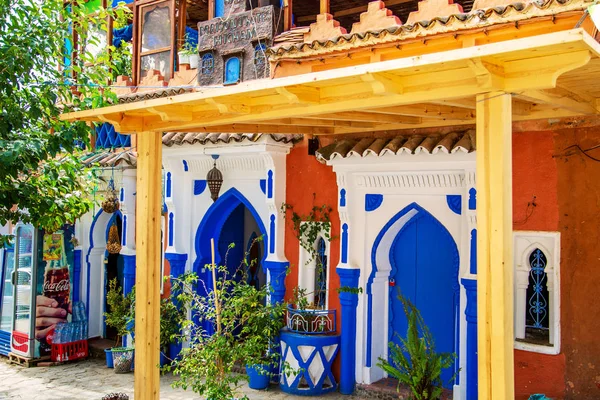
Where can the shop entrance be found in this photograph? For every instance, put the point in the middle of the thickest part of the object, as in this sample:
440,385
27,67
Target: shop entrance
113,268
240,242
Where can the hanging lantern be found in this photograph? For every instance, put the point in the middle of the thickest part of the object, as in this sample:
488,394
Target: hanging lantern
111,202
113,245
214,179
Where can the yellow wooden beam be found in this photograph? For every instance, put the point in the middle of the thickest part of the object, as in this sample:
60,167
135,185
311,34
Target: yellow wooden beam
561,98
173,113
361,116
434,111
494,247
148,277
443,76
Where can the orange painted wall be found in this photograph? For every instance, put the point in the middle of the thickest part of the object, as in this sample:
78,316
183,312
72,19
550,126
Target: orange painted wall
535,174
567,189
310,183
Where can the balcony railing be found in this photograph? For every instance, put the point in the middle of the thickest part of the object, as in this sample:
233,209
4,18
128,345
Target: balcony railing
311,322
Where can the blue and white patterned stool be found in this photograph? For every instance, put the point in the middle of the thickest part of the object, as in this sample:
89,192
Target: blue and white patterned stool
310,358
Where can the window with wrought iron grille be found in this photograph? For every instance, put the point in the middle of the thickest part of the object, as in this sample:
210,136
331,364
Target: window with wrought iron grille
537,291
208,64
313,273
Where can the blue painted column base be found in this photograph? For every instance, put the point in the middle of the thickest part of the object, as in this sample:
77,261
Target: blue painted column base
76,275
128,273
177,263
471,316
349,302
277,272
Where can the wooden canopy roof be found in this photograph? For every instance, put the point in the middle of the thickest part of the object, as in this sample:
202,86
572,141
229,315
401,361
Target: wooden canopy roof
550,75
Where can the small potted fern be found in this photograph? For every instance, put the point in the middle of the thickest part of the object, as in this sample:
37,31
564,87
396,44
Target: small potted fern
118,316
414,362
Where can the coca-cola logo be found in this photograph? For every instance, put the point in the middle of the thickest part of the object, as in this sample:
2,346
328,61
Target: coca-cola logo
57,286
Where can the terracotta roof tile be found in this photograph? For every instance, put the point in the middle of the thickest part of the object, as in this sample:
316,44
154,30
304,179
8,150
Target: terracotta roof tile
476,18
181,138
108,158
450,143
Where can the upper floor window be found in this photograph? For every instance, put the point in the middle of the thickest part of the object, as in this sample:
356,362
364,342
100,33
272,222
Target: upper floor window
208,64
260,58
156,34
232,71
537,292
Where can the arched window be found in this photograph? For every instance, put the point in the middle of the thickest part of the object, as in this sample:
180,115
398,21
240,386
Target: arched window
321,274
536,323
537,291
208,64
260,58
313,273
232,71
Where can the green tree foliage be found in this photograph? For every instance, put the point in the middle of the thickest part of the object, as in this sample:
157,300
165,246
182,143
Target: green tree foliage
43,182
120,309
415,363
243,327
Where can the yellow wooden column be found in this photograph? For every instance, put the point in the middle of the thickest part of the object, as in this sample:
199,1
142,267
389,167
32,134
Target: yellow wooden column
494,247
324,7
147,276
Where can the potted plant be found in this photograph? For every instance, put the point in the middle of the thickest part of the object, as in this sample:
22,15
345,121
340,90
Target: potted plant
172,317
118,315
231,324
188,54
415,363
261,322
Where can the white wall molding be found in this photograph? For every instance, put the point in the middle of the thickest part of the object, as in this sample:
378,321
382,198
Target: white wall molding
525,242
402,179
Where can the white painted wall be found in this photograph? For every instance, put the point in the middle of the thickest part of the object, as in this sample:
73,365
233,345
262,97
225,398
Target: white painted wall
402,179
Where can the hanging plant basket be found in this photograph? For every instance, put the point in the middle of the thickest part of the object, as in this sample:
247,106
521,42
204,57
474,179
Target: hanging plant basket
114,241
111,202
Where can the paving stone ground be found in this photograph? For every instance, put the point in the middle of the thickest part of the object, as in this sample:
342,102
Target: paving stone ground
91,379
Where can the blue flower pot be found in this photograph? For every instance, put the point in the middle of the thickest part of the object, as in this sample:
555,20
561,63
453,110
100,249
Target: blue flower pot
164,360
259,376
109,358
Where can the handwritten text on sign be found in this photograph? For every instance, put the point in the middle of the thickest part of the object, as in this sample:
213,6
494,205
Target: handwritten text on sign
237,28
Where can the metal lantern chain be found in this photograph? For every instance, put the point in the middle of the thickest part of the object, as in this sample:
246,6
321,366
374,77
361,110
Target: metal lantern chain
214,179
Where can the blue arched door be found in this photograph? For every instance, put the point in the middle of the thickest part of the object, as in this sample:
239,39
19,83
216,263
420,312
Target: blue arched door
424,260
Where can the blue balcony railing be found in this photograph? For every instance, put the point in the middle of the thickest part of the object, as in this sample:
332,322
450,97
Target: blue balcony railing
311,322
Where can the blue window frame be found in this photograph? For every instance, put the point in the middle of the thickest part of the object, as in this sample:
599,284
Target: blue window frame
260,58
208,64
321,274
232,71
108,138
537,316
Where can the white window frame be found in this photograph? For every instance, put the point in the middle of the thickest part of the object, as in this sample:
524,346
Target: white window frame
307,268
525,242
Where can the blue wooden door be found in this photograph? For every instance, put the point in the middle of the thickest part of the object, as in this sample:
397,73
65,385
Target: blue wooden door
424,261
233,233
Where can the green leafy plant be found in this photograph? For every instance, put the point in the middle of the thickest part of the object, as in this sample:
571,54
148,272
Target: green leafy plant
307,229
415,363
173,317
120,309
187,48
44,181
242,326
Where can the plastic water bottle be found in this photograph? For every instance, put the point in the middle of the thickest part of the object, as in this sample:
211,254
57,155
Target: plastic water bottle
58,333
85,330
